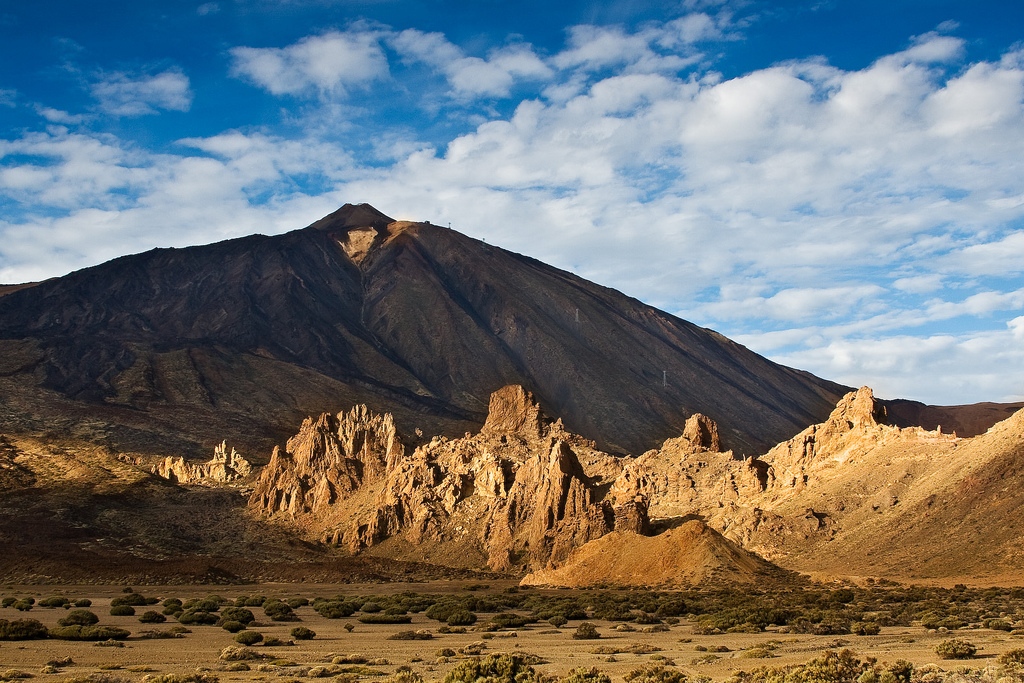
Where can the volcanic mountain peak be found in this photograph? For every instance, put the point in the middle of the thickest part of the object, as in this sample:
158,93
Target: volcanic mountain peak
353,216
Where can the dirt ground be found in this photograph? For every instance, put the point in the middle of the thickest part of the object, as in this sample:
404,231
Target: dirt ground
200,650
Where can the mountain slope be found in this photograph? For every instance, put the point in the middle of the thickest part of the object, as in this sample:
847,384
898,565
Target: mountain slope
174,350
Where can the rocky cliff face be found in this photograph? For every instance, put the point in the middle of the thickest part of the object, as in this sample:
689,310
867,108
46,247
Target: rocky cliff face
223,468
522,493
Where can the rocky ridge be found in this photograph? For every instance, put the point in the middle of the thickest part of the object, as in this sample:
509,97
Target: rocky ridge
223,468
520,494
525,494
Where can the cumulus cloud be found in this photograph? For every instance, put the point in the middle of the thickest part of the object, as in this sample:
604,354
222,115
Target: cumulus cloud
125,94
333,62
472,76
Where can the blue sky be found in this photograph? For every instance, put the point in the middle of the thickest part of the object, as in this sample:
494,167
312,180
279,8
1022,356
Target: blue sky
837,184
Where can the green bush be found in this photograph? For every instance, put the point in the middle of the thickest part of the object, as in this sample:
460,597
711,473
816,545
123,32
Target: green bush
558,621
198,618
249,637
24,605
296,603
385,619
999,624
334,609
172,602
303,633
152,617
865,628
80,617
89,633
955,648
21,629
251,601
586,631
461,617
231,626
83,602
236,614
8,601
505,668
55,601
122,611
279,611
210,604
130,599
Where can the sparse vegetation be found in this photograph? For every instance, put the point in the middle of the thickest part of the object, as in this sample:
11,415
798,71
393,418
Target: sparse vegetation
98,633
493,669
586,631
249,637
302,633
955,648
21,629
81,617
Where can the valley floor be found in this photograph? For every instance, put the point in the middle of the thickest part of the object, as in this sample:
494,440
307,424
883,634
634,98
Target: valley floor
366,651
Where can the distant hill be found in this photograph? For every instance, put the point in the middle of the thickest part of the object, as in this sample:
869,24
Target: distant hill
171,351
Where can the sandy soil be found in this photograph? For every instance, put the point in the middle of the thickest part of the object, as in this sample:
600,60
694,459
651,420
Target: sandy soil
200,649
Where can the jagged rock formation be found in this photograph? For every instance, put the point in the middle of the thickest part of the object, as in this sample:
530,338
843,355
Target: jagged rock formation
223,468
688,555
522,493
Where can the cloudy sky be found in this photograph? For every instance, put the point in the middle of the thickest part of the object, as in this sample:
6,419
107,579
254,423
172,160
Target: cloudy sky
837,184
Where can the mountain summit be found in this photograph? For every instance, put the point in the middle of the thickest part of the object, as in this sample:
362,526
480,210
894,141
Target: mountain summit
173,350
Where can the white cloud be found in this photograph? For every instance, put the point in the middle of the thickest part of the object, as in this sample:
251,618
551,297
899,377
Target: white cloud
472,76
331,63
124,94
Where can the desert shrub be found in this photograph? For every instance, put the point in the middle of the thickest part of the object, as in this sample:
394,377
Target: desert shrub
370,607
493,669
250,601
582,675
655,673
55,601
210,604
645,618
445,652
130,599
411,635
1012,658
81,617
404,677
152,617
865,628
296,603
303,633
13,675
172,602
955,648
77,632
233,653
586,631
273,641
558,621
249,637
197,618
279,611
83,602
8,601
159,635
24,605
831,667
21,629
334,609
999,624
461,617
511,620
239,614
198,677
122,611
231,626
385,619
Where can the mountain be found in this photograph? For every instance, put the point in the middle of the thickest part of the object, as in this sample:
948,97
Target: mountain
172,351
